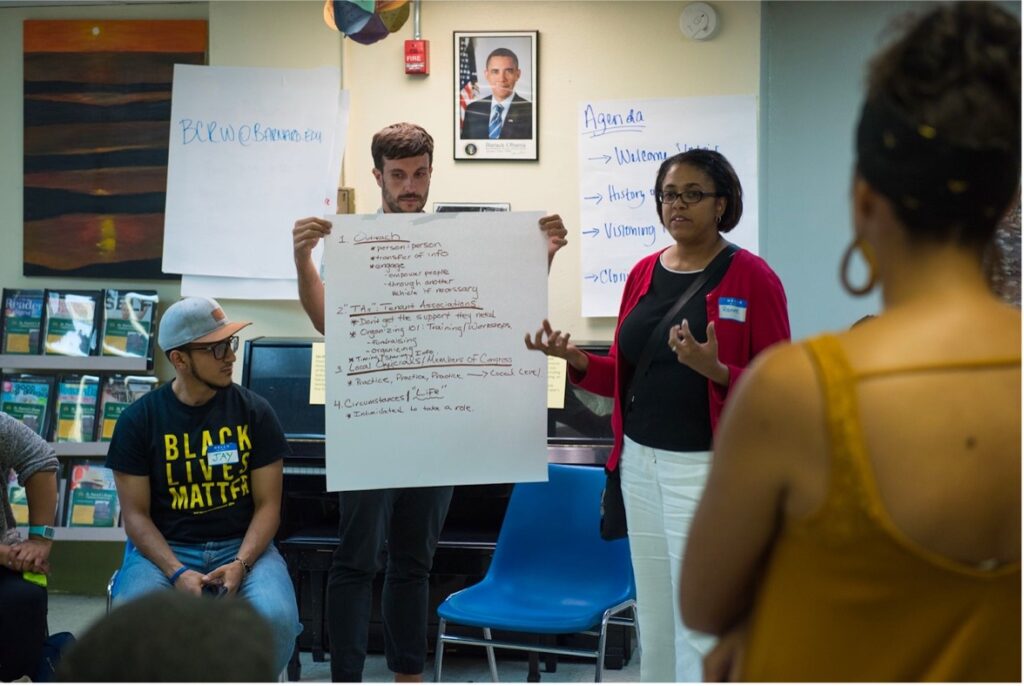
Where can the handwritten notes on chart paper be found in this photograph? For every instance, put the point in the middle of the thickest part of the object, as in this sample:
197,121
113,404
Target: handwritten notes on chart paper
622,145
244,162
428,380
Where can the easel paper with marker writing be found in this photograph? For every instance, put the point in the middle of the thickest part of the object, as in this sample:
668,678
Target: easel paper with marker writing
428,379
622,145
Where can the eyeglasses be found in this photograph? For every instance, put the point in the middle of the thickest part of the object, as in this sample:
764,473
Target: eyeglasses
219,349
691,196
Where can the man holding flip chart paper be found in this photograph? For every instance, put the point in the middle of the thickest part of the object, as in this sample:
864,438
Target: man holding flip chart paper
409,520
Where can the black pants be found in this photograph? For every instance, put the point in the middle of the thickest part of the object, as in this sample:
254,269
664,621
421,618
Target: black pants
409,521
22,625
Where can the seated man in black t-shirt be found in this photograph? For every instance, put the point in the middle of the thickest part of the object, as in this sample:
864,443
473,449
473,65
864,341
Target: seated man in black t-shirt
198,467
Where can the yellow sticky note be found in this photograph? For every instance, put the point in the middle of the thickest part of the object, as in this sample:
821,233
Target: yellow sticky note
83,515
18,343
556,383
317,375
20,513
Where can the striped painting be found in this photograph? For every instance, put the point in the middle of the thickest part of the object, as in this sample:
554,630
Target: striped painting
97,118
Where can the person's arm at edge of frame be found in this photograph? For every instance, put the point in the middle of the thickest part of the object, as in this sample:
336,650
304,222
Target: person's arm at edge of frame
758,444
305,235
33,555
134,495
36,464
266,518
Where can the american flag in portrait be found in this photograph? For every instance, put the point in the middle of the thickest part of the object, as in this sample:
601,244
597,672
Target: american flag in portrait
468,88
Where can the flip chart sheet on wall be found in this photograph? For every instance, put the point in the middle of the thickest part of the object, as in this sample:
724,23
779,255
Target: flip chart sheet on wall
428,379
250,151
622,144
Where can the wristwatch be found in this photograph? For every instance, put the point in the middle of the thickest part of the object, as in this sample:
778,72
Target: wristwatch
41,531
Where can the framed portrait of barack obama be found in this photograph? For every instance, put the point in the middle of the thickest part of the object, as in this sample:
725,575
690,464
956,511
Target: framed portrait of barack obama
495,95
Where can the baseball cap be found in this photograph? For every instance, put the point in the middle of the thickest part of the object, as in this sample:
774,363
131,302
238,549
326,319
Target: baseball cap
195,320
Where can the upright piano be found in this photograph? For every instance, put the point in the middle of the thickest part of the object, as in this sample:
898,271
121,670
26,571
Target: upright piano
279,370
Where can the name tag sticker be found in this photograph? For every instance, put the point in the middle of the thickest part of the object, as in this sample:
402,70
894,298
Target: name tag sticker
732,308
225,453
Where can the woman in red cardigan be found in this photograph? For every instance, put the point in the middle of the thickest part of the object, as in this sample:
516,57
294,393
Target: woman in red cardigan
664,419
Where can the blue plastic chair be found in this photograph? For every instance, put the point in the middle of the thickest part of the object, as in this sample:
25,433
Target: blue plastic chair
551,573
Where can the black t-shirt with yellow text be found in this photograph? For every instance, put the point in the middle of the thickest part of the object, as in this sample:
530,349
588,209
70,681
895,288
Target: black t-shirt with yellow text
199,460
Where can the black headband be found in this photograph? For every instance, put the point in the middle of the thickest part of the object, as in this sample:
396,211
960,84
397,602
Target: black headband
932,181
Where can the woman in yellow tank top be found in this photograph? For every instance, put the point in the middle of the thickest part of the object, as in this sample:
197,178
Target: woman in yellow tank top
862,518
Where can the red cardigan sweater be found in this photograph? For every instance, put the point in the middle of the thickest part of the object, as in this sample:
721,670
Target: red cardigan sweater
748,278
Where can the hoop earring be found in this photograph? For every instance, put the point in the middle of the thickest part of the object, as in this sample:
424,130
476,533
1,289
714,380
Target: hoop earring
718,220
869,258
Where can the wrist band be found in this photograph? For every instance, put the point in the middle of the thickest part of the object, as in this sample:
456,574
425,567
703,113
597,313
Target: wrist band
246,567
173,578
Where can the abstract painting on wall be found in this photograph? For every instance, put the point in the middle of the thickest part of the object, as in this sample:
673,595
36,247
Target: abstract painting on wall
97,120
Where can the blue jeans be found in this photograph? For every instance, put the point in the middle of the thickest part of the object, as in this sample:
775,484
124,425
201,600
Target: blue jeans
268,587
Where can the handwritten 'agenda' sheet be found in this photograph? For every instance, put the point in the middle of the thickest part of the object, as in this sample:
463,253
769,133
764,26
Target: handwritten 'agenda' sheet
428,380
622,145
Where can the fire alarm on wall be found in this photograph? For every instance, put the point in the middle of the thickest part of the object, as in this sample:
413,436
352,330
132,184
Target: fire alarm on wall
417,57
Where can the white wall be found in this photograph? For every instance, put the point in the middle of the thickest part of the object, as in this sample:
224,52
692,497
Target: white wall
593,50
814,66
587,50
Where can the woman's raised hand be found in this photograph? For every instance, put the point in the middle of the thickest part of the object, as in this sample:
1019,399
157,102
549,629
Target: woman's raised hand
701,357
556,344
549,342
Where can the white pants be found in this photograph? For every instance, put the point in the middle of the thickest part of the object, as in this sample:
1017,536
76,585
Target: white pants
661,490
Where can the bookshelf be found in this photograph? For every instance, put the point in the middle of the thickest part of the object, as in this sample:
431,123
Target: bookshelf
84,449
64,363
84,533
89,449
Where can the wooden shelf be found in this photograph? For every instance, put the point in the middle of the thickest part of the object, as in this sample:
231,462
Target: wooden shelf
83,533
86,449
105,363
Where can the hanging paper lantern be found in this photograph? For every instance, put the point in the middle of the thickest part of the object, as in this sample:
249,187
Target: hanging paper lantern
366,21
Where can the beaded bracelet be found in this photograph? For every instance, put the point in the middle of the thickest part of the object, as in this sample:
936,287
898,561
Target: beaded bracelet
245,566
173,578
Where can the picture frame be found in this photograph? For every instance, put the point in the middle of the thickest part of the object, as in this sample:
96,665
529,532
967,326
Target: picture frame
79,136
472,207
489,64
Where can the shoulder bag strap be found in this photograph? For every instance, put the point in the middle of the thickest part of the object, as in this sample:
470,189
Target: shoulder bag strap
715,268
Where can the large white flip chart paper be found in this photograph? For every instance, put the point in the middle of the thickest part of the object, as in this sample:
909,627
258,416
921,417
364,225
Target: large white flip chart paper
622,144
250,151
428,379
259,288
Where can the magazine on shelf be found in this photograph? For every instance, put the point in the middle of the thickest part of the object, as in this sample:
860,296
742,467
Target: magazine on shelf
22,320
118,393
17,498
92,496
26,397
77,397
128,322
70,322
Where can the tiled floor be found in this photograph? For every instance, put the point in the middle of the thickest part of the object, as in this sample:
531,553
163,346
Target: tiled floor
76,613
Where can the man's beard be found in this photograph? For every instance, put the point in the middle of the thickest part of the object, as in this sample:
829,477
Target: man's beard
209,384
392,203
